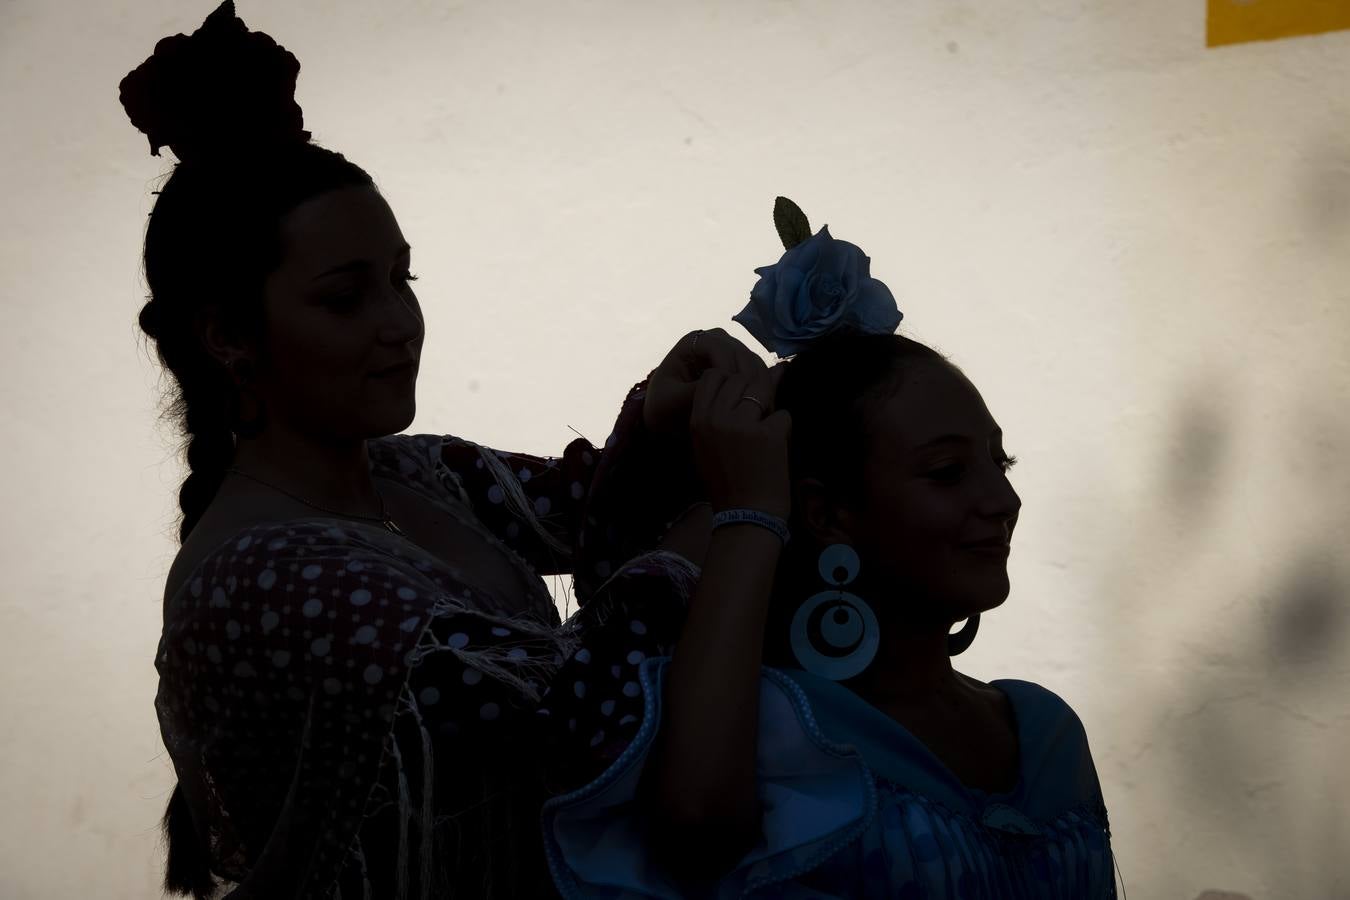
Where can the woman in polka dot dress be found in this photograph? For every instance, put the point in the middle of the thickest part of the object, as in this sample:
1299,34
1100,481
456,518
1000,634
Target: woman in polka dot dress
356,631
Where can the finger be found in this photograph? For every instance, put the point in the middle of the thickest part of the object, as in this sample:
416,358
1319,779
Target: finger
684,360
717,399
721,350
762,388
728,392
712,351
734,394
678,394
748,361
706,390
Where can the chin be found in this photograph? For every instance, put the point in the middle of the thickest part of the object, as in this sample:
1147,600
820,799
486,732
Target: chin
979,598
394,419
998,601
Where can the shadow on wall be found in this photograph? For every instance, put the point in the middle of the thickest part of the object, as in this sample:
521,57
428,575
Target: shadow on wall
1245,740
1258,723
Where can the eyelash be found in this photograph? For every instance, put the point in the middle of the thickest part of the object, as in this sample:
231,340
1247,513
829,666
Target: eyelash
1007,463
347,301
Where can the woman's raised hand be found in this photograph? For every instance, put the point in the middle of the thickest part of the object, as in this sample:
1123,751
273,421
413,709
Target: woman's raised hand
670,390
709,803
741,446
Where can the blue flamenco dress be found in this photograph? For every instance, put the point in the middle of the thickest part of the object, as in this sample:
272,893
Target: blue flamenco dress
854,805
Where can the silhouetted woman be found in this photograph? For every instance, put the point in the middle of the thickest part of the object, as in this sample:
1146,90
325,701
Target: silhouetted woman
798,730
356,631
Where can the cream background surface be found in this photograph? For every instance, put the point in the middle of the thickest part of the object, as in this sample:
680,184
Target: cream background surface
1134,245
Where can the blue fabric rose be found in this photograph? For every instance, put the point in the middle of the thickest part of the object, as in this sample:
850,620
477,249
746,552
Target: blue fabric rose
817,286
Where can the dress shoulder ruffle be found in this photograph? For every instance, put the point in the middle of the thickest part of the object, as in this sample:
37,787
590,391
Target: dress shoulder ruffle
817,796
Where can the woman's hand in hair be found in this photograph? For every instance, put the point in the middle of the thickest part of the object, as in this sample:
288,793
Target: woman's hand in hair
741,445
670,389
699,786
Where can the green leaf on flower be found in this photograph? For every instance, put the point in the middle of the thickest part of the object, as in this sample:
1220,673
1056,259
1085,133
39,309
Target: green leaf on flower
793,228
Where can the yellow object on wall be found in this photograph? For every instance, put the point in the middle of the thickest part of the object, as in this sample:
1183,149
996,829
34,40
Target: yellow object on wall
1239,21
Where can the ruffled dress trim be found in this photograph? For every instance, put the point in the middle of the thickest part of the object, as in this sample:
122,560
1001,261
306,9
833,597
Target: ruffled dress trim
878,816
817,797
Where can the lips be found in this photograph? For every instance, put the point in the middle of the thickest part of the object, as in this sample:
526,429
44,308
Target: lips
395,368
989,543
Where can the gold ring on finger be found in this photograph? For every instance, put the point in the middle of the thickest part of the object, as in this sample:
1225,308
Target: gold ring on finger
756,402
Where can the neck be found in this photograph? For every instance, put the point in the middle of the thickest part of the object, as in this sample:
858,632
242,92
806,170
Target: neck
912,670
328,473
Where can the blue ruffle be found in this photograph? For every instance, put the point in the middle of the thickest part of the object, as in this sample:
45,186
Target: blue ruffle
817,797
878,817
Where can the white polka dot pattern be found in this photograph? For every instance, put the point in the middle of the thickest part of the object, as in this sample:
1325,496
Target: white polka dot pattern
329,630
602,695
314,629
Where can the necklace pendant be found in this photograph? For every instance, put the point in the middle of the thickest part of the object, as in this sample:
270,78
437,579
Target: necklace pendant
389,524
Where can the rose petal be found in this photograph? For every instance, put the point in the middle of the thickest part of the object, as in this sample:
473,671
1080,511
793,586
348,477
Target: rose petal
750,319
791,302
875,309
803,256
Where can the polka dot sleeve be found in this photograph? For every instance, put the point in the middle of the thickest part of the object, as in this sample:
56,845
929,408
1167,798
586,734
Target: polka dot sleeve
594,705
533,503
643,482
590,509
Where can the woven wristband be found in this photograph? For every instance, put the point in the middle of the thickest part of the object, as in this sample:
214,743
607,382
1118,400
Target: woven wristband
754,517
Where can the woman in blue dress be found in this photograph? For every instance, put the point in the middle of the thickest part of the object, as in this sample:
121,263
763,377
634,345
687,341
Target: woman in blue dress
784,720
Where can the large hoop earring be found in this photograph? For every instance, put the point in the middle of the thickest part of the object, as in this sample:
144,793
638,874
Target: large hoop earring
834,634
957,643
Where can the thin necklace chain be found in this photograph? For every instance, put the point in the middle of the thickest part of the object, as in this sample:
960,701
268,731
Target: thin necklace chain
382,518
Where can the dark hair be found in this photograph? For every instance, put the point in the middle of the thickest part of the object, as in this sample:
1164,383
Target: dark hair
213,237
832,389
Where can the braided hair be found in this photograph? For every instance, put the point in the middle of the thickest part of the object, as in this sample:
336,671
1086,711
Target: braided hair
222,100
212,238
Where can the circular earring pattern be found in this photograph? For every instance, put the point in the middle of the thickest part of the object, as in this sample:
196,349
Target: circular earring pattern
834,633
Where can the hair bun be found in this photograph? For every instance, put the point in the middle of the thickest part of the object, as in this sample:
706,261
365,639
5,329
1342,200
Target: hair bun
219,91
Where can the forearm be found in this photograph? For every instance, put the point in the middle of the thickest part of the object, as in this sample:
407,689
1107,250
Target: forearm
703,768
643,480
689,534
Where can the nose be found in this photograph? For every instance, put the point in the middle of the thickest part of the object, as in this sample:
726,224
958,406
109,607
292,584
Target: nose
1002,502
404,319
1014,509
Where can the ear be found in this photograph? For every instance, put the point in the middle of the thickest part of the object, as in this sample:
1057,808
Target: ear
827,520
214,338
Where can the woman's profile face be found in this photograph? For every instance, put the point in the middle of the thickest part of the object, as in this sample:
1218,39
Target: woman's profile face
339,307
935,481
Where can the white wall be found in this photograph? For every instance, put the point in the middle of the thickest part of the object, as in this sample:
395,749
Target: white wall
1134,245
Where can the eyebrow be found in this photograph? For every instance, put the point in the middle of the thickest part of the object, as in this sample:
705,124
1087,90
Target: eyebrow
953,439
358,264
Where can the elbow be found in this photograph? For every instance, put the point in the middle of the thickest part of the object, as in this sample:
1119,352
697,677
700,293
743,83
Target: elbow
698,828
703,842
